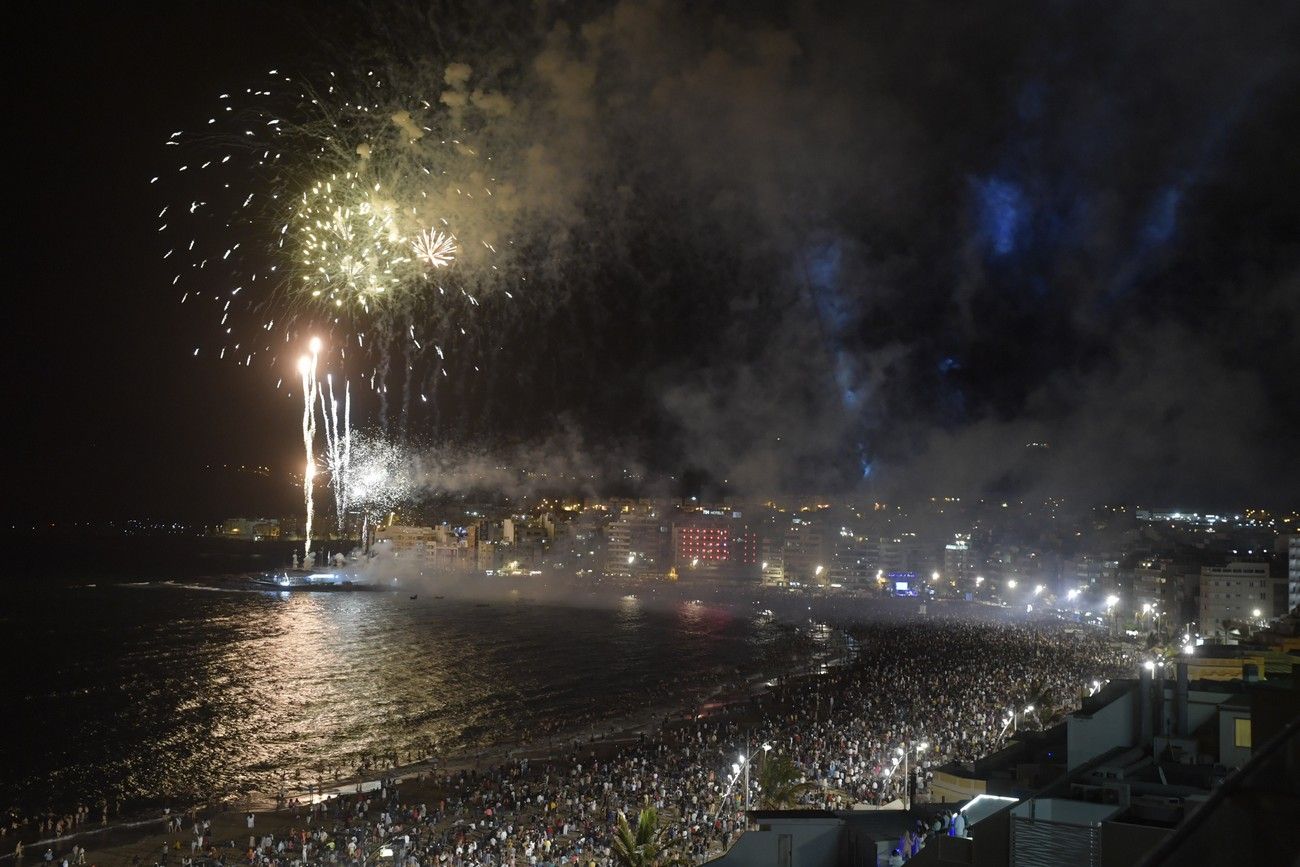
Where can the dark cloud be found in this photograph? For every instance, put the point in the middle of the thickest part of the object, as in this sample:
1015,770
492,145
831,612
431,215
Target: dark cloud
820,246
913,241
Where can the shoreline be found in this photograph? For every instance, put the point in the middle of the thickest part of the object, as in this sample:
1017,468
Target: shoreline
719,702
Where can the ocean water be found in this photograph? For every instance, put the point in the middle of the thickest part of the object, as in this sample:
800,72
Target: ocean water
151,692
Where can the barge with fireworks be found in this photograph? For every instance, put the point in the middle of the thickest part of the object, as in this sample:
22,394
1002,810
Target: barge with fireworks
317,581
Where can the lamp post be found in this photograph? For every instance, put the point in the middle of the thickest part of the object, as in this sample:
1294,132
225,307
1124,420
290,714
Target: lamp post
907,778
745,759
742,764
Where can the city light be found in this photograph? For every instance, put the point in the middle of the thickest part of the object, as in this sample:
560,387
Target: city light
1038,590
1112,601
1011,583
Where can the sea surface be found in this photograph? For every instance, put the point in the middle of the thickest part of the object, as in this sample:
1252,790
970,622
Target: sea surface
172,689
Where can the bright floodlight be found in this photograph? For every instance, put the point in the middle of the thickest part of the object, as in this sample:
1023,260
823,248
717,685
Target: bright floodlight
979,579
923,746
819,570
1029,709
1072,595
934,576
1012,584
1150,665
1038,589
1189,649
304,365
1112,601
1255,613
314,345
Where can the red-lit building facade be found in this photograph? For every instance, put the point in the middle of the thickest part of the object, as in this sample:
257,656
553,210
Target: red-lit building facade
716,547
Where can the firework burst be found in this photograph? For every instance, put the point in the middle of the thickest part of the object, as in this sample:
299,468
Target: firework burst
434,248
359,213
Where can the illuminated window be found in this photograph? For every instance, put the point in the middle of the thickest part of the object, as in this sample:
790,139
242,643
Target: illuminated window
1241,732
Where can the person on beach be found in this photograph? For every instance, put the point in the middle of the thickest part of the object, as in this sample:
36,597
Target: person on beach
561,810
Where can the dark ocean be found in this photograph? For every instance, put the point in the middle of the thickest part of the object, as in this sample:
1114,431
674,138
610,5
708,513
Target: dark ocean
150,685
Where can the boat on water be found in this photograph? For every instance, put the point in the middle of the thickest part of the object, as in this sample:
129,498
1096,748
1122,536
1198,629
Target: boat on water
317,581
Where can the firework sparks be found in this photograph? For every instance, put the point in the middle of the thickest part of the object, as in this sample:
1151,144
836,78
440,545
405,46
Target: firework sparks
338,446
359,192
435,248
352,250
307,369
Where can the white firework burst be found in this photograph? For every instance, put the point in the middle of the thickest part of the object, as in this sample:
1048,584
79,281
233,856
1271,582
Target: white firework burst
436,248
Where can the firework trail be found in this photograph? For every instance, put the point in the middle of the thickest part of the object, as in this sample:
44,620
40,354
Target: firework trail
338,445
307,369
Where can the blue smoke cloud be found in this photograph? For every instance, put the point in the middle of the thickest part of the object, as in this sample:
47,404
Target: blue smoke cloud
1002,213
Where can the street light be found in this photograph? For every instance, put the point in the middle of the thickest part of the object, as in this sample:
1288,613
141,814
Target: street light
1011,583
901,752
1038,589
742,763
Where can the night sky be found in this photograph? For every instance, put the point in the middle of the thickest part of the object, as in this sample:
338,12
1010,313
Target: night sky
775,247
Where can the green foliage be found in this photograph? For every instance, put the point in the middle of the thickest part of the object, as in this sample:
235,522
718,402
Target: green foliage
779,784
643,846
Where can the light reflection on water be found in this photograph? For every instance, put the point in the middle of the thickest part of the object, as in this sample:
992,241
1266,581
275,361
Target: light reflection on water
163,692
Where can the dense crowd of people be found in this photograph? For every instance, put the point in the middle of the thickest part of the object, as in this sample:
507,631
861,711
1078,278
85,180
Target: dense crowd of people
957,687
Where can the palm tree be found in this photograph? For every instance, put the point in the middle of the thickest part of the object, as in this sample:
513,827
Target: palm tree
643,846
780,784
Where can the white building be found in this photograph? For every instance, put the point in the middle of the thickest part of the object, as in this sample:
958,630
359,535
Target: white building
637,546
1239,592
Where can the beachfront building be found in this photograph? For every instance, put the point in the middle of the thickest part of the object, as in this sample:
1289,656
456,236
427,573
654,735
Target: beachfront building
1240,592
